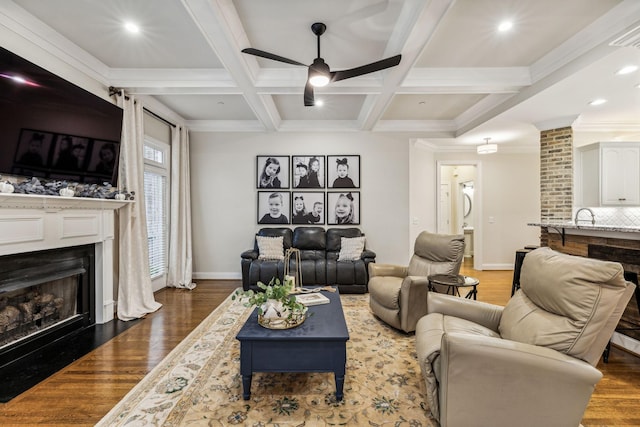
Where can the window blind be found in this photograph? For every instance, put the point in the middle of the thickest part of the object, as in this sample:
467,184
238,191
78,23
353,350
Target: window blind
155,190
156,195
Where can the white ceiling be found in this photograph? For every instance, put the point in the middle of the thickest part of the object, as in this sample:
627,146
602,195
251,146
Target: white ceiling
459,81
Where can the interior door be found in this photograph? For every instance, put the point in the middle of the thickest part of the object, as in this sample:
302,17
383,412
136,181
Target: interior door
444,218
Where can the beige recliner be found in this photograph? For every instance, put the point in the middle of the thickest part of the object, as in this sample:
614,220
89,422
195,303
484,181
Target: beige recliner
532,362
398,294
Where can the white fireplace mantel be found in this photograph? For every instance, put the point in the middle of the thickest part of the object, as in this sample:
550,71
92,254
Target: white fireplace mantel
34,222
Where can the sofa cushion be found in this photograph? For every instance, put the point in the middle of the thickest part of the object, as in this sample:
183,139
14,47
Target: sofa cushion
309,238
351,248
335,235
563,301
270,248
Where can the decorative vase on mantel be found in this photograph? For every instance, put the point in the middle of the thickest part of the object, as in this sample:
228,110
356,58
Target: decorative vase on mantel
276,308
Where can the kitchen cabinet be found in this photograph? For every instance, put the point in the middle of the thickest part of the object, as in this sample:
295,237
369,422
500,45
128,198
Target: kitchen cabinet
608,174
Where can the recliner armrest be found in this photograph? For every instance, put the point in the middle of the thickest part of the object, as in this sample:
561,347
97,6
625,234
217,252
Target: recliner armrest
505,381
376,269
249,254
487,315
367,254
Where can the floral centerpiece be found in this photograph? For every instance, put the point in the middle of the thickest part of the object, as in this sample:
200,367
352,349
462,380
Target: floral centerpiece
277,309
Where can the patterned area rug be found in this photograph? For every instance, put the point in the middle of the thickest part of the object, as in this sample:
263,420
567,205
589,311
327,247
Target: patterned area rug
199,383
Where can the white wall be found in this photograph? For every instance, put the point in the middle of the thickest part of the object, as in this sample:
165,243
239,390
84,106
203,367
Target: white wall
224,194
422,190
398,194
508,196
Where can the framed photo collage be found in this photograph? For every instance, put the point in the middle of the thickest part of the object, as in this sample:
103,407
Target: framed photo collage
308,189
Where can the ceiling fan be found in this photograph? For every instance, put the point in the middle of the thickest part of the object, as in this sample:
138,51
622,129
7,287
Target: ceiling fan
319,72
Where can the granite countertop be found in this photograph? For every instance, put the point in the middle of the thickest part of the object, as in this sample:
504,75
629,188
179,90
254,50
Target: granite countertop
587,226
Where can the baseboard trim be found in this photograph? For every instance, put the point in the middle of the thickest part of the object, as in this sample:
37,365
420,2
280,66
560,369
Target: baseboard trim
626,342
208,275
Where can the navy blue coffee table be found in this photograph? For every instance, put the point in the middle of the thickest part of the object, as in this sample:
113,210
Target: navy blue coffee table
318,345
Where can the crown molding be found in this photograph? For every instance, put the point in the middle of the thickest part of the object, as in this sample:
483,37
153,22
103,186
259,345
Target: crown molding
556,123
224,126
22,23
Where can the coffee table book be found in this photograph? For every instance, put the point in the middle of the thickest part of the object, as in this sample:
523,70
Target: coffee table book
314,298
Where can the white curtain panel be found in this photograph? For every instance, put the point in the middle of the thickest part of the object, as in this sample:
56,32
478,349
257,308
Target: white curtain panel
180,256
135,293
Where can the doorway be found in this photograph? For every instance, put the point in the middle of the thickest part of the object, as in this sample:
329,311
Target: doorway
459,206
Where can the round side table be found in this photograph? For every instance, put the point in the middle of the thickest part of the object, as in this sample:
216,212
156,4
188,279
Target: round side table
454,283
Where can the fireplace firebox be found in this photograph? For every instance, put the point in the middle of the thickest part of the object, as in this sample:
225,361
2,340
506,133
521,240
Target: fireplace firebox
44,297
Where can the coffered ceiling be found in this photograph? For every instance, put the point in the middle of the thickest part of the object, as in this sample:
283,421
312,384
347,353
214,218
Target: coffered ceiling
460,79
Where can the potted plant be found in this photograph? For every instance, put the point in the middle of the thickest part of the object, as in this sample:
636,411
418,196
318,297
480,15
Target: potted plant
277,309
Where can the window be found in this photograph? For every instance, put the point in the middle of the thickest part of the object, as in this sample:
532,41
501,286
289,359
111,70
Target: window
156,195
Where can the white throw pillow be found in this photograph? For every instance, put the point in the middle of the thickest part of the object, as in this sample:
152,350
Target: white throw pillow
351,248
271,248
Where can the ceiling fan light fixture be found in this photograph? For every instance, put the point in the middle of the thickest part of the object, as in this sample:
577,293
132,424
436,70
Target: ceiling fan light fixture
319,80
487,148
319,73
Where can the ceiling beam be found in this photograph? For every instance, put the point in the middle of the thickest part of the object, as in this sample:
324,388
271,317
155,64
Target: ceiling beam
220,25
417,23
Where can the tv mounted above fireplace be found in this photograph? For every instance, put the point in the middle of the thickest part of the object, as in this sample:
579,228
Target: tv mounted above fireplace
51,128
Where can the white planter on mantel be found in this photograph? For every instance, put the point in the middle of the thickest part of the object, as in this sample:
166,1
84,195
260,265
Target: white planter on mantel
31,223
5,187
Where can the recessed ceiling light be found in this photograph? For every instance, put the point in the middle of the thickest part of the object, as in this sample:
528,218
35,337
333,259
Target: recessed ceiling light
628,69
505,26
318,103
421,102
598,101
131,27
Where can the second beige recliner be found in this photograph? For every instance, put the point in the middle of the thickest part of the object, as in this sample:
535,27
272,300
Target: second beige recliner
532,362
398,294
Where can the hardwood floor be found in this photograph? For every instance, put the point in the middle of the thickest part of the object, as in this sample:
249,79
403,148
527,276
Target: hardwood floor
83,392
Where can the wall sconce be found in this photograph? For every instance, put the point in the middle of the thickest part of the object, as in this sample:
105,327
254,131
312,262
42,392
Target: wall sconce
487,148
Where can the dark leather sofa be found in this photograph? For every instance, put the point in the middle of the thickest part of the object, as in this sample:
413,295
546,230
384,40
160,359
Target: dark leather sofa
319,250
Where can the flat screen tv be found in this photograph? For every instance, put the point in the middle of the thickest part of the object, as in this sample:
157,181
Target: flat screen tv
53,129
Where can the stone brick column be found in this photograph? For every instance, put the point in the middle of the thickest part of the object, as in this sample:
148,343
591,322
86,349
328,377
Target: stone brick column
556,177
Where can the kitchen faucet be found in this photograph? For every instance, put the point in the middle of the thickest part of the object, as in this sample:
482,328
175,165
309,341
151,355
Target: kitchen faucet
593,217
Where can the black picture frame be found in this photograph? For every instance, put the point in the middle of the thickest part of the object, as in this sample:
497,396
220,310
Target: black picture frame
104,159
264,215
71,154
308,171
33,149
311,201
281,178
352,180
332,213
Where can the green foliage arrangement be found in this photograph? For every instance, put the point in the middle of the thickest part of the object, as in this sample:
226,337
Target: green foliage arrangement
274,290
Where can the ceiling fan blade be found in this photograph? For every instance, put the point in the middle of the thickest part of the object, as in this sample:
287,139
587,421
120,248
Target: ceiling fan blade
366,69
263,54
309,100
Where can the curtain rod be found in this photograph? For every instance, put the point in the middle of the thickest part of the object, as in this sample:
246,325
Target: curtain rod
117,91
158,117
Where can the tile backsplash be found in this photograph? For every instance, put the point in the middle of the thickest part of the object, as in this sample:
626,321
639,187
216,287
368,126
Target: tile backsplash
624,216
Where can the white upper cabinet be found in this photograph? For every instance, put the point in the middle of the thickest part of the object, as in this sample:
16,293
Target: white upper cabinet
608,174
